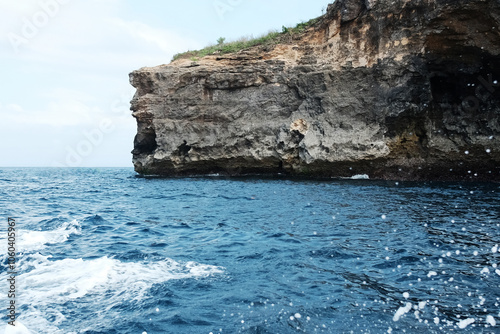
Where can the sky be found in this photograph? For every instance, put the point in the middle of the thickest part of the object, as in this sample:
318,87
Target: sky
64,89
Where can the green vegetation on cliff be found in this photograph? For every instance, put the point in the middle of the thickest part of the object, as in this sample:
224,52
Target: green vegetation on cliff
272,38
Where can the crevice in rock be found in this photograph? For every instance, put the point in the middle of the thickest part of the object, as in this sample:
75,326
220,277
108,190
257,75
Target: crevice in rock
183,149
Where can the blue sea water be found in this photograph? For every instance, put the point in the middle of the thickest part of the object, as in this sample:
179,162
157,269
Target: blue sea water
104,251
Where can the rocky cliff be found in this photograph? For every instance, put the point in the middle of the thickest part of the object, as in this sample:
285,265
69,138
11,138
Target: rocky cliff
395,89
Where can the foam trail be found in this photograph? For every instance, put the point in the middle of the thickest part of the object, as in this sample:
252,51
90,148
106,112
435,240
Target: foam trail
106,281
59,281
45,285
19,328
30,241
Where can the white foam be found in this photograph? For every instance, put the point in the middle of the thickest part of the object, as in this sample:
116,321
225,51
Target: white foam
63,280
402,311
19,328
30,241
106,281
35,320
466,322
431,273
360,177
45,284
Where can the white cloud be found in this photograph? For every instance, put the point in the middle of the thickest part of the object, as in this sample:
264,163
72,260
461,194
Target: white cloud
73,73
57,113
10,8
87,33
84,43
164,40
68,94
14,108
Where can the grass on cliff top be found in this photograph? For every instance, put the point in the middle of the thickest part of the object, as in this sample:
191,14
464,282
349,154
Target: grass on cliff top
272,38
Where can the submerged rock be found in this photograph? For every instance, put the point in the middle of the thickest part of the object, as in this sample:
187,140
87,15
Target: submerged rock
394,89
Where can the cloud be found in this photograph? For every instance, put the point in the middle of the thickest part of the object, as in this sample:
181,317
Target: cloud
17,7
67,107
84,45
84,33
71,73
164,40
59,113
67,94
15,108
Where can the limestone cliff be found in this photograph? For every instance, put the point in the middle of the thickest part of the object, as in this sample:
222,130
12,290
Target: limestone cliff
395,89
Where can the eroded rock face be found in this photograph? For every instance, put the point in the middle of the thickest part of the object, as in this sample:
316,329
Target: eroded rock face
402,89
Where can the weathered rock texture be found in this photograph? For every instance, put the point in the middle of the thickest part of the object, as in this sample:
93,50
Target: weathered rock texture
395,89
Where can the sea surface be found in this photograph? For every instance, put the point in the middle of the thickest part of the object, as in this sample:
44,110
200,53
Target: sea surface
104,251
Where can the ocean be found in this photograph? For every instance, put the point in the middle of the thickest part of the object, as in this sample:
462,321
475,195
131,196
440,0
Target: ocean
100,250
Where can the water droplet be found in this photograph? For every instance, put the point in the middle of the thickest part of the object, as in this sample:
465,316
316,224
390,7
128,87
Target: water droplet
384,217
488,150
490,320
466,152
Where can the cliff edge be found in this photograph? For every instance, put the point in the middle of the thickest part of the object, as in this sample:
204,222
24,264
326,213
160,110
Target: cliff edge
395,89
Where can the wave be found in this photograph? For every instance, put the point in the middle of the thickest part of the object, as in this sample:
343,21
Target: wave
30,241
63,280
47,286
105,281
